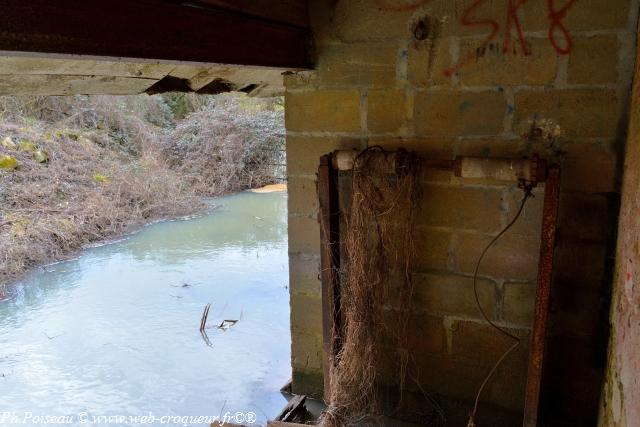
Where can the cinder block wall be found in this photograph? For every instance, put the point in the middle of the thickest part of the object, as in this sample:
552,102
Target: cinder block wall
449,78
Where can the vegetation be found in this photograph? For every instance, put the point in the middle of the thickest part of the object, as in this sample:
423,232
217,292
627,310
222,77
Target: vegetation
77,170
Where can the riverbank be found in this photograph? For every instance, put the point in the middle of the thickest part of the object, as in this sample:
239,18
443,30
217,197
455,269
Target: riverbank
79,171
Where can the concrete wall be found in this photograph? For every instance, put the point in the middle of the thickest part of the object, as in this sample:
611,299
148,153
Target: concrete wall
621,397
445,78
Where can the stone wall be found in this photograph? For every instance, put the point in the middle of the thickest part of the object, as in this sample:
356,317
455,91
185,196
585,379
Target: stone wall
483,78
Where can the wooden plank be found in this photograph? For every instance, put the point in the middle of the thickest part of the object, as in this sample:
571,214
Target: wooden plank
150,29
329,219
294,405
71,85
545,274
81,67
293,12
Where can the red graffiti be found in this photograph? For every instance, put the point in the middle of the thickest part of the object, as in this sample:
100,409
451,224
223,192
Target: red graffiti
468,21
556,17
514,21
400,6
557,29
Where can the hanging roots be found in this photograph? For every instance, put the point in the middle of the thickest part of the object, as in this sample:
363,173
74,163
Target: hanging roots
376,286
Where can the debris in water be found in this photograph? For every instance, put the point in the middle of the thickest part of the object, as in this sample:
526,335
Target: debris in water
226,324
53,337
205,315
183,285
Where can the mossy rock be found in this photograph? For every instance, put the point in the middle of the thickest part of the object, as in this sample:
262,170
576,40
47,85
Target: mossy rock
41,156
8,162
7,142
26,145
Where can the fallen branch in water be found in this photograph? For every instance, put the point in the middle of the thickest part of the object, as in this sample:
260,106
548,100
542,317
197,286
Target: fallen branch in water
205,315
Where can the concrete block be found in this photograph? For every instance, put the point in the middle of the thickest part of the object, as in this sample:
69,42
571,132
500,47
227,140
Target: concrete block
461,207
577,112
323,110
360,20
304,235
449,113
357,64
512,257
529,223
519,303
594,60
306,315
306,352
492,66
444,294
594,15
307,383
303,196
481,344
427,62
304,275
387,110
432,249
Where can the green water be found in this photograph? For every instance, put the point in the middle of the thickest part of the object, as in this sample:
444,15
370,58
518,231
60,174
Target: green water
115,331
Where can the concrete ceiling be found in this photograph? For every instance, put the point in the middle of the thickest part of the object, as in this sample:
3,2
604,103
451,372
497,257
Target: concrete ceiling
26,75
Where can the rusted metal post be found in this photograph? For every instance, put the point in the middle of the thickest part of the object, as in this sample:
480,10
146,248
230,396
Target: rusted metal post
545,271
329,219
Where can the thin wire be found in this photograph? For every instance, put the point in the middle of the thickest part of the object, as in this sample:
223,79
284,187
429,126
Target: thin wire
527,195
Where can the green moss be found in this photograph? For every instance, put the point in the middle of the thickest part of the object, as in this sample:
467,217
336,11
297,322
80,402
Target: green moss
103,179
8,162
26,145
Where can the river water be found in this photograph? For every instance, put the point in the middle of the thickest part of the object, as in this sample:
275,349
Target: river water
115,332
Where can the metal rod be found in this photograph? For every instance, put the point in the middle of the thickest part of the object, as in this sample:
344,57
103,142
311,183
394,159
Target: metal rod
545,273
531,170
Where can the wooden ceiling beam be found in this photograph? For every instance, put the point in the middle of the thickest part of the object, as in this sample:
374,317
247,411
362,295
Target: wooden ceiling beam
152,29
292,12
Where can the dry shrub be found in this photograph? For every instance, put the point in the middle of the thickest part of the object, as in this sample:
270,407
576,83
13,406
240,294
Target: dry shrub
117,162
229,144
84,194
378,245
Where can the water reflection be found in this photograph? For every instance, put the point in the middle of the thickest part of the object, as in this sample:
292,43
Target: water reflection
115,331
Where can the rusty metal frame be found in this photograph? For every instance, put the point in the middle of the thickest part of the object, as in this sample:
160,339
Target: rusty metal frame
329,219
545,275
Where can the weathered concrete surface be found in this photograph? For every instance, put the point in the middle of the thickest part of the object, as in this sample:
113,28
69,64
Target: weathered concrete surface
28,75
620,404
